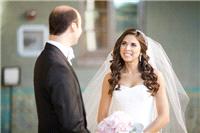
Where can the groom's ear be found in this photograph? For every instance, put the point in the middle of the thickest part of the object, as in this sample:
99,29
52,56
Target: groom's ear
73,26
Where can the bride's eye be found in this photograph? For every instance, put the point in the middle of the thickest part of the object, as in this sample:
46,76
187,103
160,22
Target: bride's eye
123,44
133,45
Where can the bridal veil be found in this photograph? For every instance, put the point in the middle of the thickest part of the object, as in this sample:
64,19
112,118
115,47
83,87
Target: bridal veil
159,60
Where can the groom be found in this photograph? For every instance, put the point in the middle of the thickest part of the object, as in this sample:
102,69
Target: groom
57,91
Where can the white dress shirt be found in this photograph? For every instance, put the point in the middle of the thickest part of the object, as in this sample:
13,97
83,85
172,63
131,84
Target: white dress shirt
66,50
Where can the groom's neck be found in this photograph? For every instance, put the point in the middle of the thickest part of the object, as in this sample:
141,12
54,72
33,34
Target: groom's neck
61,39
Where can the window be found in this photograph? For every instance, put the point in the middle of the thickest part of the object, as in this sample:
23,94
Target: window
126,15
31,39
104,22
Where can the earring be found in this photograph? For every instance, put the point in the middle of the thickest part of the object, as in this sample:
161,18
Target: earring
140,57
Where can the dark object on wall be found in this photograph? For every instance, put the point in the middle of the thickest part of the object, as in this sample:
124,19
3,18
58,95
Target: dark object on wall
30,14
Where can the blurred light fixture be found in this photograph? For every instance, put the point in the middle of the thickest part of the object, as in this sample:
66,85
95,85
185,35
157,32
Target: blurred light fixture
11,76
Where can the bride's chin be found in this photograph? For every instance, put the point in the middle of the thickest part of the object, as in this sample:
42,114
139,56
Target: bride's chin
128,60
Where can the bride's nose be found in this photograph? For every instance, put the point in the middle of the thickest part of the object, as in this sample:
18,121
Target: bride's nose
128,47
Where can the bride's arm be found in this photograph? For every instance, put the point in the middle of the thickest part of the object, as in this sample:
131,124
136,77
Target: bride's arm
162,106
105,100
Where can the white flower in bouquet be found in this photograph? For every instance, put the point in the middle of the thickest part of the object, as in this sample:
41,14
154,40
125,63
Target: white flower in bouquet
119,122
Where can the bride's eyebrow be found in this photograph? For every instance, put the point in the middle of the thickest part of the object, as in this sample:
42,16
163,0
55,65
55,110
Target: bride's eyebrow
124,41
133,43
130,42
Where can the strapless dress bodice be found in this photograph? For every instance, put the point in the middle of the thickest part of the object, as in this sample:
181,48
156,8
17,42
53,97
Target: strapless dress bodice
136,101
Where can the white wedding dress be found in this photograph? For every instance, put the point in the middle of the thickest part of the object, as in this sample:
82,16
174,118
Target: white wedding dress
136,102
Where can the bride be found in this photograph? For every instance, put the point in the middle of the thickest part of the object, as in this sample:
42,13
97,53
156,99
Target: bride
137,79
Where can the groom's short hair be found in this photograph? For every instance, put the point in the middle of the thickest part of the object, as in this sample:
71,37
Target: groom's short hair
60,20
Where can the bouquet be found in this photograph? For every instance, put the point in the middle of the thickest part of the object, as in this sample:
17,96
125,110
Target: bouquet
119,122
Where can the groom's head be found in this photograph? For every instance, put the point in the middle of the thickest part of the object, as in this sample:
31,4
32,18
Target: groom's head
65,19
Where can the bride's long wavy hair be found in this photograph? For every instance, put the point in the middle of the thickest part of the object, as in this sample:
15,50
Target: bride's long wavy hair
146,70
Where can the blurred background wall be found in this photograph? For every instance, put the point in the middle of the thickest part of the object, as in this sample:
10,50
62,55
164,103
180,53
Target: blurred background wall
176,25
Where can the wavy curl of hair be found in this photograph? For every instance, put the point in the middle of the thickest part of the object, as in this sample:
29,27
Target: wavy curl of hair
146,70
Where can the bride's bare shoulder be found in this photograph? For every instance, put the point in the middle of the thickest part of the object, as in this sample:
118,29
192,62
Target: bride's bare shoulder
160,77
106,85
158,73
108,76
105,81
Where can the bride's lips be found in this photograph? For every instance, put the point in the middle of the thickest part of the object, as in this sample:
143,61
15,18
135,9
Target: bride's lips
127,54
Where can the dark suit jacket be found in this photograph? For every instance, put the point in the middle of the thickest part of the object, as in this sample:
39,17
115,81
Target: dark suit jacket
58,97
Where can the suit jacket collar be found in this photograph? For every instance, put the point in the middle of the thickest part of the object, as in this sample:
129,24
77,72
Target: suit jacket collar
66,50
50,46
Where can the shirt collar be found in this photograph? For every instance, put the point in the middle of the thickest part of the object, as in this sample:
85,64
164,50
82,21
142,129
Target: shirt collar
66,50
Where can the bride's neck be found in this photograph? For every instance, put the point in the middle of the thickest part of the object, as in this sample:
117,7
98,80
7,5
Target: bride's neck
131,68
